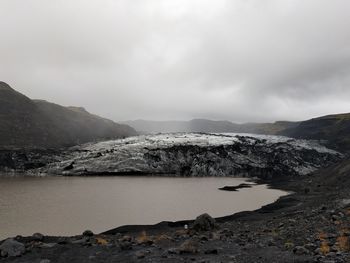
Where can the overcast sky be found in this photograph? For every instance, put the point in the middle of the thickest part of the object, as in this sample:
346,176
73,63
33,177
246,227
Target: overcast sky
240,60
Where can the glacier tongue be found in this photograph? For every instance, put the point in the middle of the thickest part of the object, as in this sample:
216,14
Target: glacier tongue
196,154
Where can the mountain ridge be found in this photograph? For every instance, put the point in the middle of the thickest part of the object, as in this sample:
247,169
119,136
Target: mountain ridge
206,125
26,123
333,130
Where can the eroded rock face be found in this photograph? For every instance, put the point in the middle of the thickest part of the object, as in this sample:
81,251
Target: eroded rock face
195,154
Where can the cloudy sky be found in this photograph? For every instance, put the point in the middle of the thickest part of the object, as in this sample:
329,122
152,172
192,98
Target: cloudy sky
241,60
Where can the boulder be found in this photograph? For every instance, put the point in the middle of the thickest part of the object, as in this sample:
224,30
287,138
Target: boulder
204,223
88,233
12,248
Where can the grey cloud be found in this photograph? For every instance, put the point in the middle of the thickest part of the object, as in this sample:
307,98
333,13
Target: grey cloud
241,60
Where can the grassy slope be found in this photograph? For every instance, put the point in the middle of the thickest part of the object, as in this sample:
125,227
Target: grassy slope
335,129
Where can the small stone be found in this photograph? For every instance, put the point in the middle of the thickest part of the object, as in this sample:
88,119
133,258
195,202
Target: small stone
118,235
289,245
310,246
212,251
62,240
140,254
172,251
318,251
81,241
127,238
203,238
227,232
88,233
270,242
335,217
48,245
300,250
331,254
126,245
188,247
345,202
38,237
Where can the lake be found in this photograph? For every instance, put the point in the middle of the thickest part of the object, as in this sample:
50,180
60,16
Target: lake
70,205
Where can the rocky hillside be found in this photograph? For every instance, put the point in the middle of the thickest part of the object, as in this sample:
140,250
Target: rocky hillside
26,123
195,154
334,130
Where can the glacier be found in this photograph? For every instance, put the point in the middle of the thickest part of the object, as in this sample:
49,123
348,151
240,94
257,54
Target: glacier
194,154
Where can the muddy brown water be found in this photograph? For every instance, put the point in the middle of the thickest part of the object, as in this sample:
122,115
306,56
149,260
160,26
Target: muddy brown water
70,205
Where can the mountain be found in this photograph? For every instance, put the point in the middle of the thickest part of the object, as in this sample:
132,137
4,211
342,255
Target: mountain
204,125
26,123
333,129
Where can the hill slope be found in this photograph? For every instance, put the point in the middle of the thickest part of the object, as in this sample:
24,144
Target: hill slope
26,123
333,129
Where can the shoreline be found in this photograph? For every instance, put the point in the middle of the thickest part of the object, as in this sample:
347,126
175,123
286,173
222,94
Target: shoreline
161,225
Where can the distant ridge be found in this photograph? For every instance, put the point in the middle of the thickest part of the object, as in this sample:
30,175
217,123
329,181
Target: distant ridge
26,123
205,125
331,130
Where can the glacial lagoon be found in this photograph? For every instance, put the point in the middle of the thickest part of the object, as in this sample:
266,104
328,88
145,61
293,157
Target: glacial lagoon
70,205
